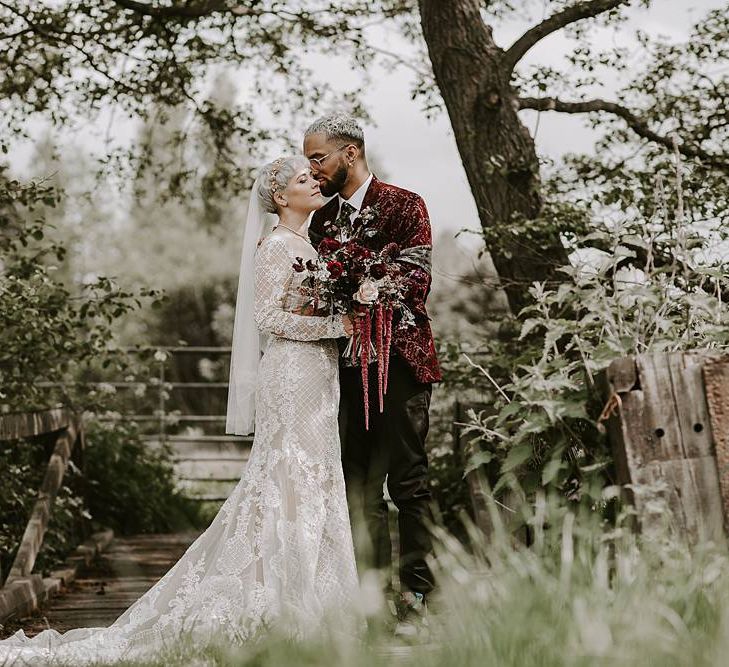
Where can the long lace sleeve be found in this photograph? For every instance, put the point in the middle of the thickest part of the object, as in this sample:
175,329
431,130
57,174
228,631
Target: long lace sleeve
273,268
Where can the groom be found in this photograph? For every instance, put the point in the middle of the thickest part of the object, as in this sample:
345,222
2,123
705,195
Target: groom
394,446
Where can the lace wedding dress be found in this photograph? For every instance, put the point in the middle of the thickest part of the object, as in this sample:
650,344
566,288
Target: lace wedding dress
279,552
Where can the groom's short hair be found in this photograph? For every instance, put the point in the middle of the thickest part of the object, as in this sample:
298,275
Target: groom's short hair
340,126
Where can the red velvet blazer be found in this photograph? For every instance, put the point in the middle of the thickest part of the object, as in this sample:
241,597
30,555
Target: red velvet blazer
401,217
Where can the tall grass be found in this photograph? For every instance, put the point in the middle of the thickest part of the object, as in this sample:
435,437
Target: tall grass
578,595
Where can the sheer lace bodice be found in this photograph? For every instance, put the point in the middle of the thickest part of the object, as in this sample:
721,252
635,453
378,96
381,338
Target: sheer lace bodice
278,296
279,552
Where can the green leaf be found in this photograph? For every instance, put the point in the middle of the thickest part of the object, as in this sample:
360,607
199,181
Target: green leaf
477,460
516,456
549,473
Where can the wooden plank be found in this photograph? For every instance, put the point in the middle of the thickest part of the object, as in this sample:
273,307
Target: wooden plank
36,528
119,569
716,381
689,489
203,470
206,490
475,479
210,450
154,438
664,440
690,404
627,433
622,374
23,595
663,444
14,426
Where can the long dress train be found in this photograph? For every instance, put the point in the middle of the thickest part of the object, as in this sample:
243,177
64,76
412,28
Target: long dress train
279,552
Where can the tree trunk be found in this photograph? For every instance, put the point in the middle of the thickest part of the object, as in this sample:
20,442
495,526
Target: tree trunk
496,149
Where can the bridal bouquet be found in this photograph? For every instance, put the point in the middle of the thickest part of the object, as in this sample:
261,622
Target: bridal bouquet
350,279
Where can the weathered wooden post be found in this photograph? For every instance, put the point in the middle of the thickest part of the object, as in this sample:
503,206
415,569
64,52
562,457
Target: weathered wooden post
486,508
668,422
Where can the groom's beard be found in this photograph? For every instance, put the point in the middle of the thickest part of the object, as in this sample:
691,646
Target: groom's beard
331,186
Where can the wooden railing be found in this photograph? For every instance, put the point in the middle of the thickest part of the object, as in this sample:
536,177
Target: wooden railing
66,432
207,464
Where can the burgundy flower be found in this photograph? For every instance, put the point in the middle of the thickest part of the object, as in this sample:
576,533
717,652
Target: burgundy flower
335,268
357,251
328,246
299,265
391,250
310,265
378,271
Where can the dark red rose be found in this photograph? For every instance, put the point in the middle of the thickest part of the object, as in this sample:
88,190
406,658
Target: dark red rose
328,246
357,251
310,265
391,250
299,265
378,271
335,268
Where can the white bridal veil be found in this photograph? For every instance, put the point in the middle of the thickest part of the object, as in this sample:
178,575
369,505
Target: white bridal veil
246,344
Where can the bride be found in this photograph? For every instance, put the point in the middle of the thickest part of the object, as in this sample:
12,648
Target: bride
279,552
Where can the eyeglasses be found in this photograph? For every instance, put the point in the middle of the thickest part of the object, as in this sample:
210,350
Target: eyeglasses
316,162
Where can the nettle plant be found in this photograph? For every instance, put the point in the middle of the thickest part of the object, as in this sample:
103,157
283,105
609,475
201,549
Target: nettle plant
636,284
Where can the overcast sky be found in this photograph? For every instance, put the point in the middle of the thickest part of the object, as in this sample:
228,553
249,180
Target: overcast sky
421,155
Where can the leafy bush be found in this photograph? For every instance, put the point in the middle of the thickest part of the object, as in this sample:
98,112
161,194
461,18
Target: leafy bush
636,284
131,488
48,332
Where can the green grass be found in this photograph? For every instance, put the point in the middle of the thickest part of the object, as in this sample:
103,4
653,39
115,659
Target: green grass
581,595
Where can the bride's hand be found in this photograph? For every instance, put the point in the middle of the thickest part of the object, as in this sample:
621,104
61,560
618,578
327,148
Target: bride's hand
348,325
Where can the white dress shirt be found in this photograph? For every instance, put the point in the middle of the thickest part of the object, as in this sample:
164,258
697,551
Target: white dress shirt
357,198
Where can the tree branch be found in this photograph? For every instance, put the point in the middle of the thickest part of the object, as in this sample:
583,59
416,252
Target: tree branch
635,123
581,10
192,10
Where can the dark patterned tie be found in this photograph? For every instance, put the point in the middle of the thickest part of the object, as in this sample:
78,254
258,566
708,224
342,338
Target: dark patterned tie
345,213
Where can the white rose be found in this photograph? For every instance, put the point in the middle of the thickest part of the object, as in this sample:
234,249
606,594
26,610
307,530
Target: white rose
367,292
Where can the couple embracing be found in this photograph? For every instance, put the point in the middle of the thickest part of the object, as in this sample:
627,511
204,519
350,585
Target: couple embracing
281,550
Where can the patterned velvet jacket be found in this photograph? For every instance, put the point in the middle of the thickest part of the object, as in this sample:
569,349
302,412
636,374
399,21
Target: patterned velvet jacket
401,217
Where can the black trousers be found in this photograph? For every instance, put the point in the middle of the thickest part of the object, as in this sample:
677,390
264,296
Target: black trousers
392,448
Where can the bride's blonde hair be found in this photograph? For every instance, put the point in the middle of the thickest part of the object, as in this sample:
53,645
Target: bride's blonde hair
275,176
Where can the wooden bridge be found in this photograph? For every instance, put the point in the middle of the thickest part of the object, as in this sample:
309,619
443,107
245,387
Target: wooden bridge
107,573
99,592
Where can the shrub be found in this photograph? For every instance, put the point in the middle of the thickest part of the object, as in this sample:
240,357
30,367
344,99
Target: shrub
636,284
131,488
47,331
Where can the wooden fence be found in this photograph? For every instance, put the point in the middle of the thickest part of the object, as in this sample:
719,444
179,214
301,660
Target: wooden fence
208,463
486,509
667,417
